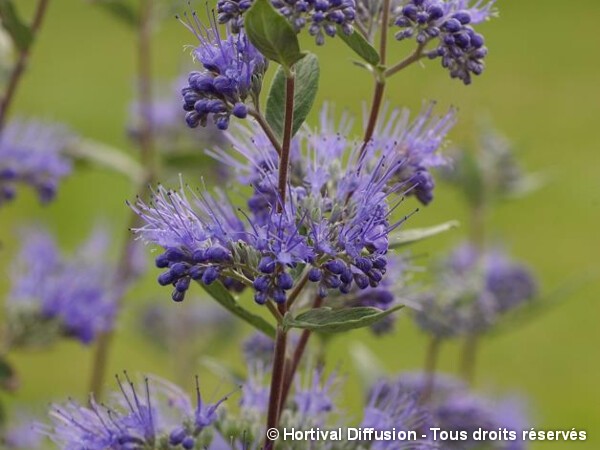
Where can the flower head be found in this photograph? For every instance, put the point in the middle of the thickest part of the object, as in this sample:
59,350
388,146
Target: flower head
76,291
460,48
232,71
32,153
472,291
321,16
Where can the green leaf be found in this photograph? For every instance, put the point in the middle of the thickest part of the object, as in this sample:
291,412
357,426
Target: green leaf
360,45
102,155
405,237
18,30
272,35
8,377
224,297
328,320
307,85
121,10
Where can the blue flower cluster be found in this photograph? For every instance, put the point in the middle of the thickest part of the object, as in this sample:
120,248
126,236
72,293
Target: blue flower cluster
471,292
333,228
232,74
460,48
76,292
321,16
33,153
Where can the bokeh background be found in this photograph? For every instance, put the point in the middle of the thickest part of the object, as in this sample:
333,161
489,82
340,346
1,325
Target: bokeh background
541,89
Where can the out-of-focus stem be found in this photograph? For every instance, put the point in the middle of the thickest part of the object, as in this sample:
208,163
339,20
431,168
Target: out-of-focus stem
431,360
21,64
469,358
125,267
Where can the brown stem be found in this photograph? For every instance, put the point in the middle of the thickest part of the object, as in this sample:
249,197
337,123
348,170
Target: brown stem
297,357
431,359
385,18
469,358
412,58
374,114
284,160
21,64
276,385
267,129
125,268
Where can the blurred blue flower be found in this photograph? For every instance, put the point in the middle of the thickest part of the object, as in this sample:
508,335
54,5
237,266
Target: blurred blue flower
33,153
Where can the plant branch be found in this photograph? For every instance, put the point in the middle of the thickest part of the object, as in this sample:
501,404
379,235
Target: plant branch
295,362
469,358
412,58
126,269
284,160
21,64
266,128
276,385
431,360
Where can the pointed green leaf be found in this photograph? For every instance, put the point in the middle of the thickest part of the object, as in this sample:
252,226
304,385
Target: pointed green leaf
121,10
328,320
406,237
224,297
18,30
360,45
271,34
307,84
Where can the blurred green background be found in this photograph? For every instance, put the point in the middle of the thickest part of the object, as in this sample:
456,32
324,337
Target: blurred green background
541,88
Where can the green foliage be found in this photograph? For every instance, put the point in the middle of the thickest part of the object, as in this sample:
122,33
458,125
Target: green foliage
360,46
328,320
121,10
405,237
306,87
272,35
18,30
224,297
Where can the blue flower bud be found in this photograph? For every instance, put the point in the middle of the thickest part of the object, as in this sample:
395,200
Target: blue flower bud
279,296
260,298
315,275
285,281
261,284
266,265
188,443
183,284
210,275
162,261
179,269
335,266
217,254
178,296
166,278
177,436
240,111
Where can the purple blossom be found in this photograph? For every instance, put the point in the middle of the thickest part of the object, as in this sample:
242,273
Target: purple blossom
391,405
314,400
419,143
473,289
460,48
33,153
321,16
138,416
232,71
75,291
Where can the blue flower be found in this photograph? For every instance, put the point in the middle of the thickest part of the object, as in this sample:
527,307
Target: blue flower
232,71
471,292
460,48
321,16
141,416
77,292
33,153
419,143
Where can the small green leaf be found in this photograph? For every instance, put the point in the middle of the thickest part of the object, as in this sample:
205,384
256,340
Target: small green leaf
328,320
272,35
360,45
18,30
224,297
8,377
121,10
405,237
103,155
307,85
